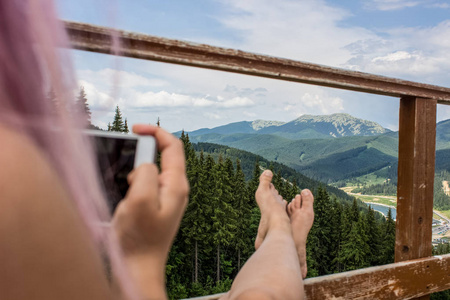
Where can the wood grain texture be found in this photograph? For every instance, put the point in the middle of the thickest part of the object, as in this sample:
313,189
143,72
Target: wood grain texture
403,280
417,140
98,39
416,162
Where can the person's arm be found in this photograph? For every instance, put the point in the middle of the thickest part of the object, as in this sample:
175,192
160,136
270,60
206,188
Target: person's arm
45,249
148,219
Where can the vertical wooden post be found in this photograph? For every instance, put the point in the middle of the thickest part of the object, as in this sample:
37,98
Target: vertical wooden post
416,159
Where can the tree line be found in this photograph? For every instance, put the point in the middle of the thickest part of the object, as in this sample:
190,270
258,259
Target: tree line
81,107
219,228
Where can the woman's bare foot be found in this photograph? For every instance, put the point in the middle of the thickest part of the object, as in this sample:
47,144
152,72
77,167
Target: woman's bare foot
301,213
272,207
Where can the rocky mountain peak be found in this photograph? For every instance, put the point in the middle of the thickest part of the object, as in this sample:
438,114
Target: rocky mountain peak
259,124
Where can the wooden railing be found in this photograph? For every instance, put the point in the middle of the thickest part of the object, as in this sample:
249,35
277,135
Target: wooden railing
415,273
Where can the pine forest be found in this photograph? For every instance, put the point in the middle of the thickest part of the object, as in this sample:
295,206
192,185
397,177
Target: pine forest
220,224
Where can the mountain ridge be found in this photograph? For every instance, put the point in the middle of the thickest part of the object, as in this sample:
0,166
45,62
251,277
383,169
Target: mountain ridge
305,126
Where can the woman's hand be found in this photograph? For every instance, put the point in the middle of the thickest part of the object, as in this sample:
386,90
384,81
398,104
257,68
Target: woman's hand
147,219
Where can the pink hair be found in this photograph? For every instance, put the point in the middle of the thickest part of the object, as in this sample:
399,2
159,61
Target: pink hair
31,63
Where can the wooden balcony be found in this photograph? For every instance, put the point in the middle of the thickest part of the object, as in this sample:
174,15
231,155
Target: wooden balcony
416,273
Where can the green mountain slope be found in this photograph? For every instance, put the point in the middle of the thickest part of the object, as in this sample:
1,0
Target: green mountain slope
324,159
248,160
328,148
304,127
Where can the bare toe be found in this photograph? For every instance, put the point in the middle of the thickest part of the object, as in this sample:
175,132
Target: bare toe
272,207
302,218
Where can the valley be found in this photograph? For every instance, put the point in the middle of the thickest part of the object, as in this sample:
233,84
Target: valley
355,155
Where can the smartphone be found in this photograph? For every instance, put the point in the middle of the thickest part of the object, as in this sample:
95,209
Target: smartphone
117,155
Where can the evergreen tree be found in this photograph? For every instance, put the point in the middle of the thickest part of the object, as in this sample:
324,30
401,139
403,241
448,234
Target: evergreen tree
373,235
354,213
388,240
254,182
118,124
292,190
109,126
194,225
319,244
82,106
188,149
125,126
242,205
355,250
224,216
336,235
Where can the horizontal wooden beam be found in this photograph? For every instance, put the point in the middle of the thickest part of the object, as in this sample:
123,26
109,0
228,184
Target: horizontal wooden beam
403,280
98,39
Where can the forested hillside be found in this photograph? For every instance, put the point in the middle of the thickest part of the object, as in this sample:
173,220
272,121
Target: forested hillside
219,227
248,159
327,160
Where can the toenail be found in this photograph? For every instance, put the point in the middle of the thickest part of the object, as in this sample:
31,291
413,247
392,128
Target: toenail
268,173
306,192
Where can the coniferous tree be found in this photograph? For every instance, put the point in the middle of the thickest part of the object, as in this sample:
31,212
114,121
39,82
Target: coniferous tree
254,182
277,181
292,190
125,126
224,216
194,226
354,213
117,124
242,205
210,169
355,250
336,234
109,126
82,106
319,243
388,240
373,235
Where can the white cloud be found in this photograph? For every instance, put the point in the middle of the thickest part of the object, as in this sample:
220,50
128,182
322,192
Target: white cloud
304,30
326,105
97,100
390,4
396,56
419,54
212,116
307,30
124,79
440,5
136,100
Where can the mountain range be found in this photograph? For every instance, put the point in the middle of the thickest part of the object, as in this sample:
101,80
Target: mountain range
328,147
306,126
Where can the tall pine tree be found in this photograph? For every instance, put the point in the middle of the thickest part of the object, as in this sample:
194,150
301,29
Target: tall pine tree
118,124
388,240
82,106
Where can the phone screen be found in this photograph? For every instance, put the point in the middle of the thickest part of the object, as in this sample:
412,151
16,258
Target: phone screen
115,158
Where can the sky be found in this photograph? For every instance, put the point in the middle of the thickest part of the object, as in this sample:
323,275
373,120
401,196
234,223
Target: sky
406,39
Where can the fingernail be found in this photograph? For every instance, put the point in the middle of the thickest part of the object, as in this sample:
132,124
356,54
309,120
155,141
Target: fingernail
267,173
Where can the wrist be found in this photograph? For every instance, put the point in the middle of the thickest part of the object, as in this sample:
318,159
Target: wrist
149,274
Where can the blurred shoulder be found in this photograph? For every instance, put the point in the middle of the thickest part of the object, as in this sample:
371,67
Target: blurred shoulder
18,152
25,173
